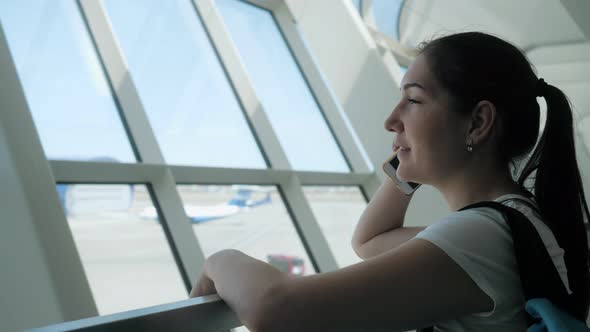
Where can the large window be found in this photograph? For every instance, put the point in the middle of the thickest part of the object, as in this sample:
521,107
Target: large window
67,92
385,16
282,89
179,56
126,256
252,219
386,13
337,210
357,5
190,103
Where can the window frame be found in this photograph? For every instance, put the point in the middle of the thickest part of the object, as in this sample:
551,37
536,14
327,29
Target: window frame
162,178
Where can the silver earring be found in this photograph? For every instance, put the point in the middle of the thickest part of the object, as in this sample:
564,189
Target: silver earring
470,145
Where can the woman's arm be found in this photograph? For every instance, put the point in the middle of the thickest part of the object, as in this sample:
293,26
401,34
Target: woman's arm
413,286
246,284
381,226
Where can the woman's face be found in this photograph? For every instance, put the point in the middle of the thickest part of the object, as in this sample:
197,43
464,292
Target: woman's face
431,137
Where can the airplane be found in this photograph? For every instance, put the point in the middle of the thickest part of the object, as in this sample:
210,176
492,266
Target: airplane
79,199
241,201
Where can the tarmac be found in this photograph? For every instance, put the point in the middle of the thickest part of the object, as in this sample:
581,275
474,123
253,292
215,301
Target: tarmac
129,264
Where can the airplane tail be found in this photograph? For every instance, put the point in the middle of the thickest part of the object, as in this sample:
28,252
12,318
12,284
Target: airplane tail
243,199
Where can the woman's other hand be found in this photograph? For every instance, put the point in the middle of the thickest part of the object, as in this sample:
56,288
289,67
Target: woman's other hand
204,286
253,289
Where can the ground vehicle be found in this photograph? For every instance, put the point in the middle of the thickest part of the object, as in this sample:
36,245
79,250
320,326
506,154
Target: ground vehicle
292,265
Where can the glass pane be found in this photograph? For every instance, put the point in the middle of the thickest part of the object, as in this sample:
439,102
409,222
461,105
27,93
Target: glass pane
186,94
64,83
127,259
386,14
283,91
357,4
337,210
340,110
252,219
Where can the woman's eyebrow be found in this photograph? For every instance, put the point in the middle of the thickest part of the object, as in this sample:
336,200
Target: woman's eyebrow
412,85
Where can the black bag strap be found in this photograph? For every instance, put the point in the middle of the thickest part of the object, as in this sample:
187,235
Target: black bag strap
538,275
526,202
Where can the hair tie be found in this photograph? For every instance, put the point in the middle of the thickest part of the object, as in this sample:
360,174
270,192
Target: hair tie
541,88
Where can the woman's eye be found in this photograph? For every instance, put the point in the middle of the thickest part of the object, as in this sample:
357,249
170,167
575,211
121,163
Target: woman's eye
413,101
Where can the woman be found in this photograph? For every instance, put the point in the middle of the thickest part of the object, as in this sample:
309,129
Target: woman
467,116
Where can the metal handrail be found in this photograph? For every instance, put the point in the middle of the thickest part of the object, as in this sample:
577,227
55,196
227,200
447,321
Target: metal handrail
201,314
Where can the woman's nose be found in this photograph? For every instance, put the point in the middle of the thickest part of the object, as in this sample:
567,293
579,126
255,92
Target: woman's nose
393,123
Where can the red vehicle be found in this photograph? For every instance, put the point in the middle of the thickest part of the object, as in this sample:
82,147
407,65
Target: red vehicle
292,265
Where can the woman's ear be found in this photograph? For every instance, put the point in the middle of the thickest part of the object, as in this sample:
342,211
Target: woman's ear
482,122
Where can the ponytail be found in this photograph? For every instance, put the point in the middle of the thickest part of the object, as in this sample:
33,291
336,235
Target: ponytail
559,192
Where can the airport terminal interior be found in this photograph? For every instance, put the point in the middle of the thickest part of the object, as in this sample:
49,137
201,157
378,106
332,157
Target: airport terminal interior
139,137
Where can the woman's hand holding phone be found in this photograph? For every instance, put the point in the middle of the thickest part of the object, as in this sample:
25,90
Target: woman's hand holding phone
390,168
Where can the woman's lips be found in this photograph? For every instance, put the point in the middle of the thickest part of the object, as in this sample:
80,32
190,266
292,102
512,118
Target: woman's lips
398,147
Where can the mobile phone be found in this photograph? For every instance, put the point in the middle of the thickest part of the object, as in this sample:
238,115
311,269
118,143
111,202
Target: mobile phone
390,168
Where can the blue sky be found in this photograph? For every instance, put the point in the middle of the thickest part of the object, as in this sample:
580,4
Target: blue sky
386,14
189,101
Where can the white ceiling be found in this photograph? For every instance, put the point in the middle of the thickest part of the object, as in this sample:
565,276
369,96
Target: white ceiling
544,29
527,23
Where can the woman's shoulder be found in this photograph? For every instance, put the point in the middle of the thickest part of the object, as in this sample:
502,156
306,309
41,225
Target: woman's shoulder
470,219
474,230
486,217
481,227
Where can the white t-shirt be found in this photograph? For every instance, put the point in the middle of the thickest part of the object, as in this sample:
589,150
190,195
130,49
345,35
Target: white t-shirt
479,240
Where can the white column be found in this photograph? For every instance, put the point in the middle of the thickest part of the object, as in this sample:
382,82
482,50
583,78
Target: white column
42,278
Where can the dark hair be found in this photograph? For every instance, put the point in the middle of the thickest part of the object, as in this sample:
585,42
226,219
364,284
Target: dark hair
475,66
